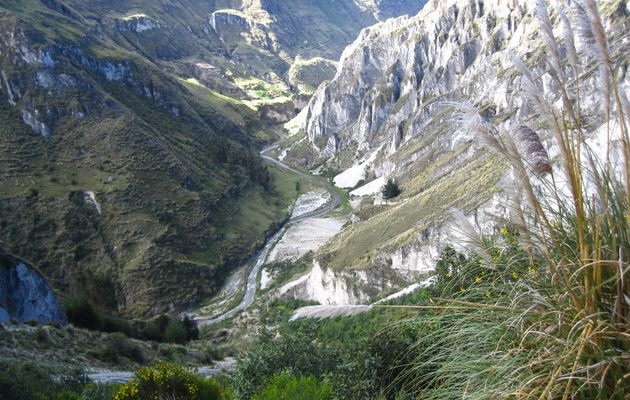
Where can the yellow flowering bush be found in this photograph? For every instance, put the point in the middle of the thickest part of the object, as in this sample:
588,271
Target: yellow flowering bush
169,381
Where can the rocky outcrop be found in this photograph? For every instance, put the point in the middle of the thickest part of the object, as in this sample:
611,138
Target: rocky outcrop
137,23
25,295
390,103
390,76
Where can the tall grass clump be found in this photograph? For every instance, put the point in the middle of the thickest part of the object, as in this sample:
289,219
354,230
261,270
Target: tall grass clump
541,309
557,274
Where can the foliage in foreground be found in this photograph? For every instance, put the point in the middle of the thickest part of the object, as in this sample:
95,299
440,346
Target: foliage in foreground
27,381
284,385
550,319
169,381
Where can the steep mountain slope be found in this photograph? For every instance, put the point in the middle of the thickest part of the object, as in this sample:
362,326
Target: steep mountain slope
121,182
387,113
128,135
242,49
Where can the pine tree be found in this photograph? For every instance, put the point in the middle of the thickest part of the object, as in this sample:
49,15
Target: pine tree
390,190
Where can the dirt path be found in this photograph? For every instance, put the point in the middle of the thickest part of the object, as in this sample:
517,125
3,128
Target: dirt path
259,258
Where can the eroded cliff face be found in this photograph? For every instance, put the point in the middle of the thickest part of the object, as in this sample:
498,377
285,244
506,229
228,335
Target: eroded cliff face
25,295
388,112
128,134
392,76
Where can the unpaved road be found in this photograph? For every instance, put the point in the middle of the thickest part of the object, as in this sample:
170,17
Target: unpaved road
108,377
259,258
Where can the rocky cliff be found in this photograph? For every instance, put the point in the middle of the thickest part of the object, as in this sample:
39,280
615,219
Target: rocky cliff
129,134
388,114
25,295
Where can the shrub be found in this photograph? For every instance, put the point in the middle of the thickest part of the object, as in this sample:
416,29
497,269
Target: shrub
117,346
27,381
98,392
41,336
82,313
175,332
390,190
284,385
169,381
298,352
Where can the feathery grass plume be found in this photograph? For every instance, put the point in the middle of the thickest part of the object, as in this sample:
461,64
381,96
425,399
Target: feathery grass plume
595,39
583,24
468,119
329,311
625,104
516,213
550,41
466,228
534,92
535,153
569,38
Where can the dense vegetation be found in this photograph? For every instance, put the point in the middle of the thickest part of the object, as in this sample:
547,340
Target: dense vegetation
169,381
29,382
82,313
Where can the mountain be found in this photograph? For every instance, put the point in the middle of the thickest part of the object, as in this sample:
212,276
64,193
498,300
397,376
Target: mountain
388,114
129,133
25,295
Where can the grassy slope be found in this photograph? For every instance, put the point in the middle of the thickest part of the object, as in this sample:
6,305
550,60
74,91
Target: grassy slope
436,180
173,214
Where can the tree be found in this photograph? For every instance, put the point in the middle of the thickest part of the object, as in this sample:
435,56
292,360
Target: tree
175,332
390,190
192,331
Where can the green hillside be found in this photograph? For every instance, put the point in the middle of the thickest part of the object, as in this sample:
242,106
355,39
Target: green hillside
172,168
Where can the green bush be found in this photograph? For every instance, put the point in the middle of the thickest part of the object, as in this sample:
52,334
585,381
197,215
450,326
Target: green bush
284,385
169,381
297,352
82,313
117,346
175,332
98,392
27,381
41,336
390,190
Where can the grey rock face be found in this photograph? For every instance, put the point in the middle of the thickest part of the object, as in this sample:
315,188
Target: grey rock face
25,295
389,77
391,101
137,24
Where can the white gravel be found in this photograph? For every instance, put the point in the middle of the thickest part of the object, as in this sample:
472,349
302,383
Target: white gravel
370,188
305,236
350,177
308,202
299,239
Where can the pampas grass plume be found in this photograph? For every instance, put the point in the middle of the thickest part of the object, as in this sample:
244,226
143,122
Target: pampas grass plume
329,311
533,149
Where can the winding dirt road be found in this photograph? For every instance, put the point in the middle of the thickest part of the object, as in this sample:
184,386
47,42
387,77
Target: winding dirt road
259,258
